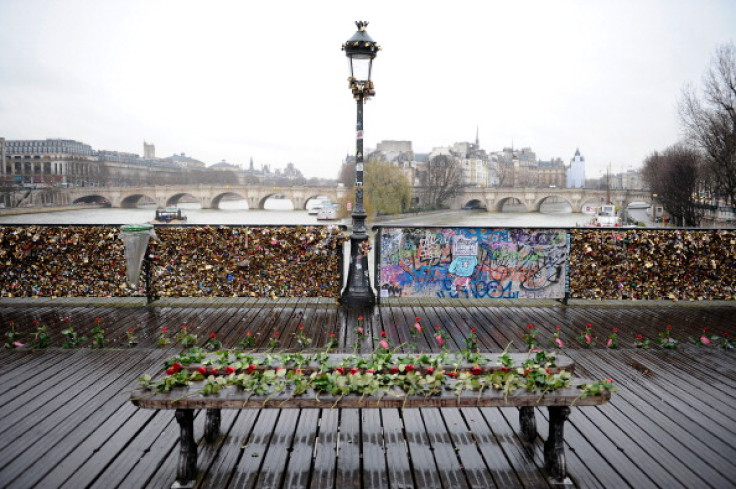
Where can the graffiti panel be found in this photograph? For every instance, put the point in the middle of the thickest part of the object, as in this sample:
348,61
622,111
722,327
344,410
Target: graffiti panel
472,263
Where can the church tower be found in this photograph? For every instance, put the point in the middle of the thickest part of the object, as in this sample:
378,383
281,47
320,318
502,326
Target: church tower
149,151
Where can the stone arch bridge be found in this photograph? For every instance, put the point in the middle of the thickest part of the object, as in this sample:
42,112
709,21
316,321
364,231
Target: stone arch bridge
493,199
209,196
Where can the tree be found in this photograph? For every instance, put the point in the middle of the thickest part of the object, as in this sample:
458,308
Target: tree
710,122
442,180
387,191
347,173
504,173
675,176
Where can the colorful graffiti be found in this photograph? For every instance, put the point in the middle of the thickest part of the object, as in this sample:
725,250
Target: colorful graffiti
472,262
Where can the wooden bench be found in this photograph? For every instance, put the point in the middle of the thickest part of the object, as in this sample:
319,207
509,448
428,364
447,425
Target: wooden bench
184,400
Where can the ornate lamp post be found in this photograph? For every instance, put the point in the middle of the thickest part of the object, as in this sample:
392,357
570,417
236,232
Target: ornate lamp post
360,50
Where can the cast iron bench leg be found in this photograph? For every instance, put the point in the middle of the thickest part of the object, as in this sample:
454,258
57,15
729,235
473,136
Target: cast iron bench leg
186,474
528,423
554,447
212,425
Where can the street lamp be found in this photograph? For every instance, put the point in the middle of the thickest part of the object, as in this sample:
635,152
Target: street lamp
360,50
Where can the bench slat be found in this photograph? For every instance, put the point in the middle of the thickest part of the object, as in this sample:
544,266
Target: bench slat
233,398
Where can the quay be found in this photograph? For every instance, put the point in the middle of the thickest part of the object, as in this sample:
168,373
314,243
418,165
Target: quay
67,422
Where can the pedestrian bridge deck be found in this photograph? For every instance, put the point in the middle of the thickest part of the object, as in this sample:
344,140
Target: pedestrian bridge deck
67,422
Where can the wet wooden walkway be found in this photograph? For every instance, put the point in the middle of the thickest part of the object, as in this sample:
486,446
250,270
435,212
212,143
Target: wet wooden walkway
65,420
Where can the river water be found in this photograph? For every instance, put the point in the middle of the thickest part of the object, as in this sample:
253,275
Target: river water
235,212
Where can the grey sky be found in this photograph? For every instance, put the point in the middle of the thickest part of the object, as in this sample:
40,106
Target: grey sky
230,79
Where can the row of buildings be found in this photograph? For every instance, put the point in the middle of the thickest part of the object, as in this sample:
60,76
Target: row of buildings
63,162
510,167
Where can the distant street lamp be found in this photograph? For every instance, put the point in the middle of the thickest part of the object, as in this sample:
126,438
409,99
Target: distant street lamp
360,50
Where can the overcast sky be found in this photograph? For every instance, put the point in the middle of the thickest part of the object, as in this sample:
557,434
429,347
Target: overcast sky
234,80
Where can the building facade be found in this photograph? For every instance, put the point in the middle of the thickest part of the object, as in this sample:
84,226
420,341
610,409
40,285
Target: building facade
48,162
576,171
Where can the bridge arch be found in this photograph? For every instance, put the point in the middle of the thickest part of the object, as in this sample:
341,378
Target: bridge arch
474,204
556,198
224,195
264,198
174,199
92,199
131,201
511,199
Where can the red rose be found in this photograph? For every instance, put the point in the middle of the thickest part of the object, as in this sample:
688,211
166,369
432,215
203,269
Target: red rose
202,370
229,370
430,370
409,368
476,370
170,371
212,335
354,371
452,374
176,366
213,371
340,370
383,334
394,370
251,367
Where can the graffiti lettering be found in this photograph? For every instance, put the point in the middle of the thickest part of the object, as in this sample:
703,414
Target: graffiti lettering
473,262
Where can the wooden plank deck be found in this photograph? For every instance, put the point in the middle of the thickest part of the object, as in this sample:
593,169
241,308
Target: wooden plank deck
66,420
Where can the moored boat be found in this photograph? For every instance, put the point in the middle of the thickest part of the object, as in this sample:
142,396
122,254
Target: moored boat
169,215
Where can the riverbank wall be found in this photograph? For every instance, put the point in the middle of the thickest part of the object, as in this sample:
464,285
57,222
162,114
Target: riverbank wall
16,211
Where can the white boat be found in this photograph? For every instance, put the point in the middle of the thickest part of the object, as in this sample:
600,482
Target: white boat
314,209
605,217
328,212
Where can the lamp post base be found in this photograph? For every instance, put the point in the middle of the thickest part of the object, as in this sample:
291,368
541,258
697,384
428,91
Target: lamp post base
358,291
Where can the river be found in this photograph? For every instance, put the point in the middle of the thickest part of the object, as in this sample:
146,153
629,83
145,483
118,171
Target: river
235,212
